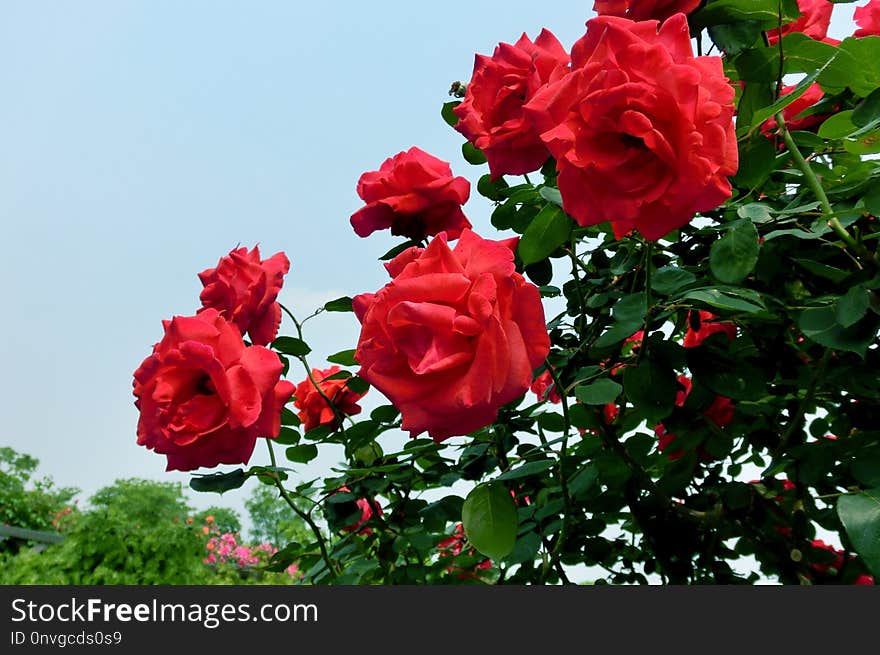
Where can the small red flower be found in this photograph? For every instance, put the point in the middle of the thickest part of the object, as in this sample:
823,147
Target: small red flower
314,408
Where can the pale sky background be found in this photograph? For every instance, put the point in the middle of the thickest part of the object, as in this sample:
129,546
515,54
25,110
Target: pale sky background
141,141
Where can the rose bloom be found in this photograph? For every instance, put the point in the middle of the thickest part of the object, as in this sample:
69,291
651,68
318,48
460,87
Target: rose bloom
415,195
644,9
868,19
706,327
243,288
453,546
491,115
204,397
314,410
814,21
544,388
810,97
454,336
641,130
366,508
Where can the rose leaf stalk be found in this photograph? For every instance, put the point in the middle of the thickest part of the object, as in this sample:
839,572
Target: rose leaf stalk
305,516
339,416
816,187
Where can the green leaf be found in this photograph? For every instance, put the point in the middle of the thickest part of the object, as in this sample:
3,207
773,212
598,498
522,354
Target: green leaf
287,437
302,454
730,300
551,195
838,126
734,255
757,212
765,13
868,110
763,114
343,357
396,250
600,392
472,154
820,324
490,520
547,231
527,469
735,37
385,414
448,114
757,158
651,387
342,304
218,482
491,189
726,374
288,417
670,279
358,385
860,515
291,346
852,306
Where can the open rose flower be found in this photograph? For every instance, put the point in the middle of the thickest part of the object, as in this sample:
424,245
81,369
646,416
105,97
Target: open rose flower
867,18
814,22
454,336
204,397
641,130
644,9
415,195
491,115
314,409
244,288
702,325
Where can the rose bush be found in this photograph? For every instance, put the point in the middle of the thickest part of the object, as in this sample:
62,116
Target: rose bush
705,249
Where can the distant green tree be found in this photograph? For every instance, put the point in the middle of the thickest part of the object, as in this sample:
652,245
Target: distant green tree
274,521
223,518
135,532
27,501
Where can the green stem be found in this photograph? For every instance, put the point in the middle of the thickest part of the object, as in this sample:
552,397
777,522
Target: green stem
303,515
816,187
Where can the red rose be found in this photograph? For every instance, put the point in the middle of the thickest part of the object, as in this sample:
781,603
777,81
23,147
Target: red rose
491,115
641,130
644,9
415,195
814,21
810,97
705,327
314,410
544,388
204,397
454,336
868,19
243,289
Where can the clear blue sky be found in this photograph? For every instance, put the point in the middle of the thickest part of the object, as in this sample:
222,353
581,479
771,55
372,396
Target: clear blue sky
140,141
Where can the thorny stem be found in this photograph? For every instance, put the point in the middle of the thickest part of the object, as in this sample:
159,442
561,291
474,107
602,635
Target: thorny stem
303,515
816,187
